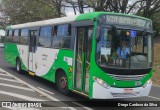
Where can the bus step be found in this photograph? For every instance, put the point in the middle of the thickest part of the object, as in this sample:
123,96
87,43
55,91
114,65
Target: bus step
81,93
31,73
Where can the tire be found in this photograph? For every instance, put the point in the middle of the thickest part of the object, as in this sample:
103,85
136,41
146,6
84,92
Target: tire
18,66
62,83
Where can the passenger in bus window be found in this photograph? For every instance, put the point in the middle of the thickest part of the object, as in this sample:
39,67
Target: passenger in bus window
123,50
122,53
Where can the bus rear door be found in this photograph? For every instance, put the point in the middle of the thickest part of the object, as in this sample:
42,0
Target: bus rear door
32,49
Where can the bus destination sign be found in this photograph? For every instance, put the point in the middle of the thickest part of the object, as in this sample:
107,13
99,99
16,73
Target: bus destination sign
125,20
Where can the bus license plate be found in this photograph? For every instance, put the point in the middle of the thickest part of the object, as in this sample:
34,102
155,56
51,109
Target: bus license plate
128,91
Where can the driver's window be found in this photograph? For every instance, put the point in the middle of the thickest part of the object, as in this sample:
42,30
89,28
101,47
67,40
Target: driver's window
104,46
113,47
139,43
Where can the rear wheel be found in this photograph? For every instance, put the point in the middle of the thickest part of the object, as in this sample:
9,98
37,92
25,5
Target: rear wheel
18,66
62,83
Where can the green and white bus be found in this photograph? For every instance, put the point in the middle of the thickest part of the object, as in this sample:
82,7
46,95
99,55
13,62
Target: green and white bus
80,53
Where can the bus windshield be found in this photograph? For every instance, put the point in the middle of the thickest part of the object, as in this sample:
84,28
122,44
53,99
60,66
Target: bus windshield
124,48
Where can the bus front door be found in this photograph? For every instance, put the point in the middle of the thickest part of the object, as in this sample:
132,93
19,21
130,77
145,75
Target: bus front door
32,49
82,60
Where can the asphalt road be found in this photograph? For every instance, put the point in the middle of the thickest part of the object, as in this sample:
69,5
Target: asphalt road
34,87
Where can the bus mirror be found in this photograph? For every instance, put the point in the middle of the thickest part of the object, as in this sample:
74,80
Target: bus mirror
97,32
2,33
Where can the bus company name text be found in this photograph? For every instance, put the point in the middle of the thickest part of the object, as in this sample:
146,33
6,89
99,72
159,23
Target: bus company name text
130,104
22,104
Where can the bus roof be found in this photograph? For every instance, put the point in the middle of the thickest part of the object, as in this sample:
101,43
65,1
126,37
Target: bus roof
81,17
44,22
93,15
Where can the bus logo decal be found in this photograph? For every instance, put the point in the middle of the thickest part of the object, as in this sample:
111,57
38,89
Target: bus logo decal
138,83
68,60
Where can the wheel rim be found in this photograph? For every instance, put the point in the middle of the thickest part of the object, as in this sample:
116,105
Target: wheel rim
63,82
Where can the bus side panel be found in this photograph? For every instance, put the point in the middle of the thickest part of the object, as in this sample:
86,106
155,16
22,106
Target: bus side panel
11,53
44,59
23,55
65,62
62,60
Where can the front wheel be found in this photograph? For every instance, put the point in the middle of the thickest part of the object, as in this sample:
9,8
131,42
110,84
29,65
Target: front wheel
62,83
18,66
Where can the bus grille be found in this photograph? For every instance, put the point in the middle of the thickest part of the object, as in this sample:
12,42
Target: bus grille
124,94
127,77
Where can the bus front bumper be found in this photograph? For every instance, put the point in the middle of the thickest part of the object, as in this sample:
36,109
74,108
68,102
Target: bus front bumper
100,92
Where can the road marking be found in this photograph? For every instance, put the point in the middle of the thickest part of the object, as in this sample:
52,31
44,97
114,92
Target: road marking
4,74
154,97
11,80
71,108
82,106
45,90
17,87
20,96
34,88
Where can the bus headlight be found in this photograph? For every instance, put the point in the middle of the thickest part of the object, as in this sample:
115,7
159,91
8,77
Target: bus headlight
101,82
148,82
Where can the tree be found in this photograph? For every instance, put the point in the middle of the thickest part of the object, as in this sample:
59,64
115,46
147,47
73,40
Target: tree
4,20
59,5
26,11
79,5
55,5
148,8
34,10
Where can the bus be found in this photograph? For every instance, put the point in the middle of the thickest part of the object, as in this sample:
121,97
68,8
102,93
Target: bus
84,54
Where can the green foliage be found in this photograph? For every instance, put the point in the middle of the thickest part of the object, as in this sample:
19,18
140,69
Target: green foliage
156,23
34,10
26,11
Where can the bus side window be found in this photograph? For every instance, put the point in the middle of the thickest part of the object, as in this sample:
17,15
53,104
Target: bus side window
67,38
55,41
62,36
9,36
16,36
45,37
24,36
7,32
54,31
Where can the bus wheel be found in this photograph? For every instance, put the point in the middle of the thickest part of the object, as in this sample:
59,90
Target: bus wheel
61,82
18,66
